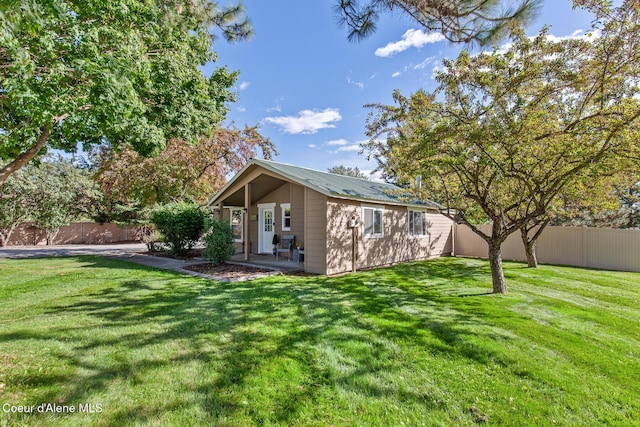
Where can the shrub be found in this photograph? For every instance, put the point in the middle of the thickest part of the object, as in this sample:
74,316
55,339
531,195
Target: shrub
181,224
218,242
151,238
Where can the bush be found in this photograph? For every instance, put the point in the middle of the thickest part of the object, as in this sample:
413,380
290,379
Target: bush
218,242
181,224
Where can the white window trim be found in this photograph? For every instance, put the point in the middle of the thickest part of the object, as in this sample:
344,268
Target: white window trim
424,229
284,206
374,209
242,214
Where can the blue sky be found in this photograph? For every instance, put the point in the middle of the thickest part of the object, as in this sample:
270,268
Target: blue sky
306,84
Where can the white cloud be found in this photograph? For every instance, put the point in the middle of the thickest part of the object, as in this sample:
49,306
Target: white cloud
307,121
576,35
411,38
337,142
344,146
241,109
424,63
373,176
437,67
312,146
277,109
243,85
360,85
396,74
353,147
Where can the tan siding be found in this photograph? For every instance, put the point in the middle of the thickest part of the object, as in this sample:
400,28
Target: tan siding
253,229
440,229
297,212
226,215
315,232
396,246
340,236
286,193
249,177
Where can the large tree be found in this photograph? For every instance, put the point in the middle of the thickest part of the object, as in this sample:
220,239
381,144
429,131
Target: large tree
118,71
353,172
594,194
49,194
480,21
16,204
61,192
507,132
182,172
623,212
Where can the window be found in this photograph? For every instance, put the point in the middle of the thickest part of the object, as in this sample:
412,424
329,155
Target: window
372,222
286,216
237,224
417,223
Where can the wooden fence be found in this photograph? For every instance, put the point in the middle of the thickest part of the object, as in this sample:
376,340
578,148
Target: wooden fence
76,233
604,248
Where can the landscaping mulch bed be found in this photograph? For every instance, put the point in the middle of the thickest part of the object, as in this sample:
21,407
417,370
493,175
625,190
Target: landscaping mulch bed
193,253
228,271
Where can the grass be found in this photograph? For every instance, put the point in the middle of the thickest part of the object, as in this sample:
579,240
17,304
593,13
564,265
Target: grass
416,344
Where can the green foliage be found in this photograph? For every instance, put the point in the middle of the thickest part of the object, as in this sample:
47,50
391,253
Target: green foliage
625,212
15,204
507,135
353,172
50,194
181,225
218,241
120,71
181,172
466,21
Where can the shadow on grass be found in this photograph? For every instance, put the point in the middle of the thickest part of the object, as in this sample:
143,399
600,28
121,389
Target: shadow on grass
258,351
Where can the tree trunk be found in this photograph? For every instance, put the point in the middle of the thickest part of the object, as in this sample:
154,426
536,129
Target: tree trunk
6,235
497,275
26,157
529,248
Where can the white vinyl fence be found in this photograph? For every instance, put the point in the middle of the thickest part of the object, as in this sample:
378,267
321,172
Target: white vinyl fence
604,248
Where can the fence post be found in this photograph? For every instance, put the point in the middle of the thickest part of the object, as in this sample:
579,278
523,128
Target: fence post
453,238
584,247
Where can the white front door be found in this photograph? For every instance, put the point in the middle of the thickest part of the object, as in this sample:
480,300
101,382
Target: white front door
265,232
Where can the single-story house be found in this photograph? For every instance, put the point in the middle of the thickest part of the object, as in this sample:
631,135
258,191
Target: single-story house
340,223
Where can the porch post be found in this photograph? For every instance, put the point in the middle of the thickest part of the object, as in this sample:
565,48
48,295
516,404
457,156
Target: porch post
220,210
247,207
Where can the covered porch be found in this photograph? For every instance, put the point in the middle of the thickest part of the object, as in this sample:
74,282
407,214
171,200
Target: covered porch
268,262
260,204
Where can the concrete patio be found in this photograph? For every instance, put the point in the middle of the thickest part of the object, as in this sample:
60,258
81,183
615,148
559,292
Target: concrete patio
267,261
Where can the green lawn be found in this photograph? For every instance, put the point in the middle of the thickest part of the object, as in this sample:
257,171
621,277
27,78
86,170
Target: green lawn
417,344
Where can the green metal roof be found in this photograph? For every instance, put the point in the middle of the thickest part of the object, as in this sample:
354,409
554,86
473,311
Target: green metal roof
339,186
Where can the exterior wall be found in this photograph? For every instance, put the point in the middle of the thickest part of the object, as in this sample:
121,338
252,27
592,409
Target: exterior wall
396,246
286,193
297,213
315,232
604,248
76,233
226,215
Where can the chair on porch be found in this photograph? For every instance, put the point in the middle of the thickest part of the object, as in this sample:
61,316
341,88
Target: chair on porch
286,245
